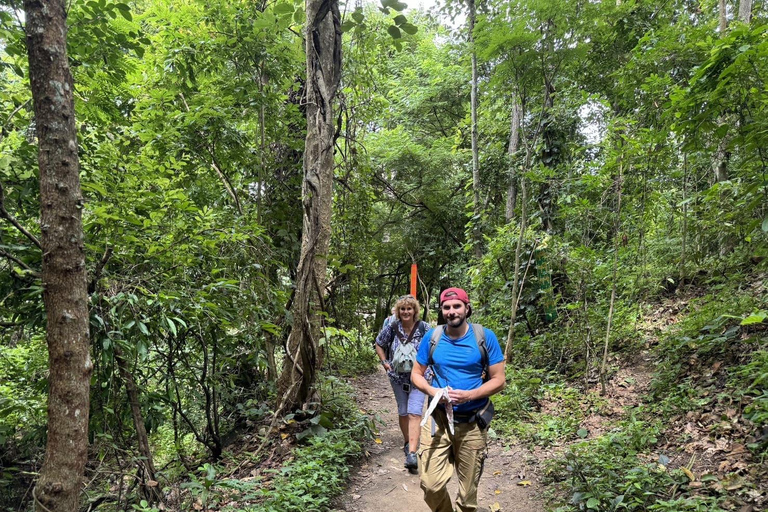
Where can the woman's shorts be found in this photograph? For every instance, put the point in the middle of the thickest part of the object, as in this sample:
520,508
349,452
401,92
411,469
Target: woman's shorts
408,402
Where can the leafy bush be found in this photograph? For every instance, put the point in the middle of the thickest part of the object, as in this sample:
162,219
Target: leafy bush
349,352
308,481
607,474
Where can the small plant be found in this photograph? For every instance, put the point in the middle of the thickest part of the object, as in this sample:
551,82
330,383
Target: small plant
143,506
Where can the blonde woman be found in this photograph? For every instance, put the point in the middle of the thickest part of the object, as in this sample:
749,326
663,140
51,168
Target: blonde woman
392,342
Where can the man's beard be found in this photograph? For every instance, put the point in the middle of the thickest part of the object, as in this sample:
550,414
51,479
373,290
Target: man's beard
455,321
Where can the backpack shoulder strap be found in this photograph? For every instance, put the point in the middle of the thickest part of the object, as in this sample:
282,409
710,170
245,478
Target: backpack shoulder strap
437,333
480,339
393,326
423,328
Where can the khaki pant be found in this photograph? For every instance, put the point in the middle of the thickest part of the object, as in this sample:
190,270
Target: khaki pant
465,450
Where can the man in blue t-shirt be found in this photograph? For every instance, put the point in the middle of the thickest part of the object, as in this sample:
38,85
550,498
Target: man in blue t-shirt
457,363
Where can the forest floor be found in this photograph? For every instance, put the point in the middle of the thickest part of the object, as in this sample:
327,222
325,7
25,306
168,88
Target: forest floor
510,481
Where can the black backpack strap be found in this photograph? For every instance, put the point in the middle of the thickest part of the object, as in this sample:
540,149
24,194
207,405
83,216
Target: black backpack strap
480,339
394,325
437,333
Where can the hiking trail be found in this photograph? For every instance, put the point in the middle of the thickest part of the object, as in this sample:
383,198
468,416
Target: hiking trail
510,482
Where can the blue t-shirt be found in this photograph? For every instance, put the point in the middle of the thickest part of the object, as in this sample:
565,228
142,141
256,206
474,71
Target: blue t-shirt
458,363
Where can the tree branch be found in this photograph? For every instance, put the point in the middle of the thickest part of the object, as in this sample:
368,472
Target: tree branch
99,268
18,262
10,218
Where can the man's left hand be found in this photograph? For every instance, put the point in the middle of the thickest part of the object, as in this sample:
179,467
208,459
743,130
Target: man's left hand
460,396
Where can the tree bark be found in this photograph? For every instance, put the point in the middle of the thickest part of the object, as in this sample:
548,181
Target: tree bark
509,346
476,231
723,21
745,11
63,268
514,145
323,50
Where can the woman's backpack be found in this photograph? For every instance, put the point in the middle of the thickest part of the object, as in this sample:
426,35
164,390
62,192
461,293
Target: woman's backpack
402,359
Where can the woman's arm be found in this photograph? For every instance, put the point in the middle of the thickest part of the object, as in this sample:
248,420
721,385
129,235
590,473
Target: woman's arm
383,358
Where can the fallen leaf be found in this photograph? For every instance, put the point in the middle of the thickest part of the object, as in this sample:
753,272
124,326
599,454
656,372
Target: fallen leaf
495,507
377,441
688,473
356,497
524,483
496,473
497,491
283,436
405,487
151,483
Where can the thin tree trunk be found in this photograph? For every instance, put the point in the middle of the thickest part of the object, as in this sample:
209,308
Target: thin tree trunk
148,480
745,11
514,145
613,285
476,231
723,25
323,50
63,269
516,281
685,219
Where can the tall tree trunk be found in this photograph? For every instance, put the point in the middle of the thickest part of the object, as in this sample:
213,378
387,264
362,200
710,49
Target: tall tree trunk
685,219
723,25
63,270
323,50
146,465
508,348
514,145
745,11
615,278
476,231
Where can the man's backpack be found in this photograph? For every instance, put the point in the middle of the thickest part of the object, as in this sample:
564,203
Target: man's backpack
402,359
437,333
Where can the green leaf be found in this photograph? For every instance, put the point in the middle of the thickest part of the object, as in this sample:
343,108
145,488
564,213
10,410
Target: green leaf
347,25
125,11
765,224
394,32
358,16
755,318
593,503
409,29
400,19
171,325
283,9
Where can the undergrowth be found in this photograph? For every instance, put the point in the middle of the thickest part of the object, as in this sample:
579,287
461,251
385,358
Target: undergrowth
610,473
313,474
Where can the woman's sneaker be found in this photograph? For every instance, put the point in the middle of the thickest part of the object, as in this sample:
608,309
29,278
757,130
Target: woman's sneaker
406,449
411,462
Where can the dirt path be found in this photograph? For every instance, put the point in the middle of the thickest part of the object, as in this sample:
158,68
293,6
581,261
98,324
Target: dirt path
381,483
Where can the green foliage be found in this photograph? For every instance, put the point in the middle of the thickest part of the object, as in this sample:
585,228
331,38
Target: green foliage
541,411
750,382
348,352
608,474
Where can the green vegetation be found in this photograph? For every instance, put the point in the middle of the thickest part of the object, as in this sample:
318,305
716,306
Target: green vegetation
623,223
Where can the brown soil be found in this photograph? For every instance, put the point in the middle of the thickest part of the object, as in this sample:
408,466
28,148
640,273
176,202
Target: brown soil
509,483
